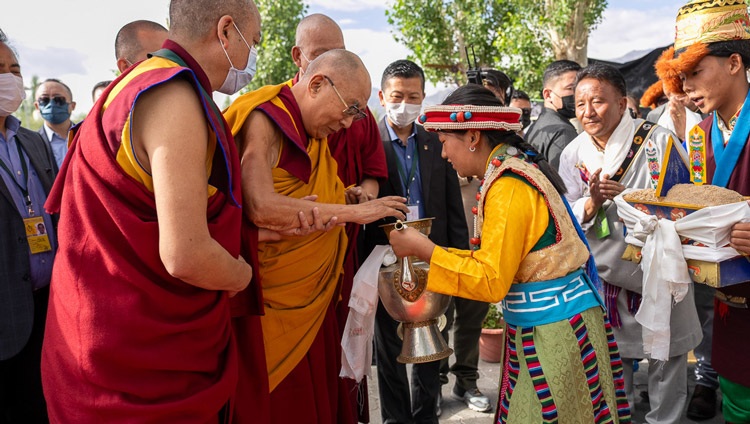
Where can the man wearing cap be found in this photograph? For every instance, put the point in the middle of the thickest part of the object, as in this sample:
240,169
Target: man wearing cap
710,66
616,152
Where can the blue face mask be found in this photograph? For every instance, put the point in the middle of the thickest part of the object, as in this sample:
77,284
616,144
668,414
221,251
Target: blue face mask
54,113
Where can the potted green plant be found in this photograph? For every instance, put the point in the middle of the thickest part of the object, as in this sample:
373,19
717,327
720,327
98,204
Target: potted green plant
491,339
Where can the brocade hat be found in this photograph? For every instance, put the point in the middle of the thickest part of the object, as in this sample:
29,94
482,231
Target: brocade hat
700,23
468,117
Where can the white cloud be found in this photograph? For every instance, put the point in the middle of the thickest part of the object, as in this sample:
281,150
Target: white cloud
348,5
624,30
376,48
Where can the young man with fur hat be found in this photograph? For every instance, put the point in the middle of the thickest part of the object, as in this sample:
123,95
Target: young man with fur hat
709,63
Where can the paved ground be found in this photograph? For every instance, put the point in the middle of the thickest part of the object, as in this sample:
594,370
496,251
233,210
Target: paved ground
455,411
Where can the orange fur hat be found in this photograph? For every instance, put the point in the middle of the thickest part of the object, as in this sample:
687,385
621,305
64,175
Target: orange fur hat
652,95
700,23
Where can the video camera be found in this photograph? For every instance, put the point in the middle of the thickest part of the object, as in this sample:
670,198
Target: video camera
488,77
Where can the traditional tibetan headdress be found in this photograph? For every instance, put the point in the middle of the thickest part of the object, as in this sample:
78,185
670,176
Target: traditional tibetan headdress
468,117
699,24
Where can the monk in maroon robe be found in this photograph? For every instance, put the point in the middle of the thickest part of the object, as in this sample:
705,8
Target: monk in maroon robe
149,197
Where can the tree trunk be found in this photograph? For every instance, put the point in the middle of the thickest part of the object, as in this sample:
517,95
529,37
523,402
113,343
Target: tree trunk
571,40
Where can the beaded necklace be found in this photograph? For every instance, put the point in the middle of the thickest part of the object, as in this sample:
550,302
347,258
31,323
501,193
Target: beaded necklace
501,153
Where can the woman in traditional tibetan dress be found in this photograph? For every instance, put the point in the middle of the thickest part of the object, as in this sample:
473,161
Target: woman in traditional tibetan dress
561,362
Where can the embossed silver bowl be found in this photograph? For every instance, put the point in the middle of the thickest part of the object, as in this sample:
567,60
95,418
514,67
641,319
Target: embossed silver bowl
403,290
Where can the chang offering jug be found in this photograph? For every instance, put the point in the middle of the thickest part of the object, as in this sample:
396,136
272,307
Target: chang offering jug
402,289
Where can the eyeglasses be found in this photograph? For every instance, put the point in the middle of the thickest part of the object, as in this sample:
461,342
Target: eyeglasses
59,100
351,110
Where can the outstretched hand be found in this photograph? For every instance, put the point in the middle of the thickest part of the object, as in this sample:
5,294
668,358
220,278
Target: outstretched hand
373,210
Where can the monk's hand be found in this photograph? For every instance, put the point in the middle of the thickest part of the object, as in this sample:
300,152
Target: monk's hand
740,237
410,242
242,282
609,189
356,195
305,227
373,210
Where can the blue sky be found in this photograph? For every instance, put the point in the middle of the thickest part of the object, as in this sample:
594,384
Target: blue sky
59,40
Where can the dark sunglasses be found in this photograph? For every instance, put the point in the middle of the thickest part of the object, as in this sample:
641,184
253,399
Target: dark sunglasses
351,110
59,100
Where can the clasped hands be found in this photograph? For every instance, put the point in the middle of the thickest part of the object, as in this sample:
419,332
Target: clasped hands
601,188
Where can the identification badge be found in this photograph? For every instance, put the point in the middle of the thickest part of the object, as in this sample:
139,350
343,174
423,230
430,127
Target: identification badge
36,235
413,214
601,224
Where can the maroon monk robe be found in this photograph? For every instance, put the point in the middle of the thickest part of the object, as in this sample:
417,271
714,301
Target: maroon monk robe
731,325
125,341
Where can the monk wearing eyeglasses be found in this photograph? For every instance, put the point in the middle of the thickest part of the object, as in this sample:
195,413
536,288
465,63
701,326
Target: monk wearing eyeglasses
290,185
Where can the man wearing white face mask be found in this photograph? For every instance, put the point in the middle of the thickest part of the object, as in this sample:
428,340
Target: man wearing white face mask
150,204
415,171
26,176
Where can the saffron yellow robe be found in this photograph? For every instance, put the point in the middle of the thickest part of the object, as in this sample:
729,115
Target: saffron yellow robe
299,275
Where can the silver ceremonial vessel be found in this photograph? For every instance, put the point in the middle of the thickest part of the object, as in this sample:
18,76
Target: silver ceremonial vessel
403,291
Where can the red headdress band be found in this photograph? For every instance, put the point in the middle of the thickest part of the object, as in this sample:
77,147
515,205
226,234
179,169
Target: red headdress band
469,117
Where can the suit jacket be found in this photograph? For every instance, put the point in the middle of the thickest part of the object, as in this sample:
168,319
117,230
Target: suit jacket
440,191
16,293
550,134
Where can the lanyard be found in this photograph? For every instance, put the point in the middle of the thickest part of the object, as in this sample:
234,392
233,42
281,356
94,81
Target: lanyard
412,172
24,190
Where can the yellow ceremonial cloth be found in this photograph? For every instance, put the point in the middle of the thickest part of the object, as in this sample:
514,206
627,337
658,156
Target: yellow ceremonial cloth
299,275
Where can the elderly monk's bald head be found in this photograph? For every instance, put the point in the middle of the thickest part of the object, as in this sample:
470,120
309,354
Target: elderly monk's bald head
333,92
316,34
196,19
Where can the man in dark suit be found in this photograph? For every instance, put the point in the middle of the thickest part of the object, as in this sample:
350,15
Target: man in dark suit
415,171
27,171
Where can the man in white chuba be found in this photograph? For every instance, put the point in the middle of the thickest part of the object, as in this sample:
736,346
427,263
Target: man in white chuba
597,166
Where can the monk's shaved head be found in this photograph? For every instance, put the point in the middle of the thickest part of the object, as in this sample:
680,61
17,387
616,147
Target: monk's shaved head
345,67
195,19
333,92
316,34
137,39
314,25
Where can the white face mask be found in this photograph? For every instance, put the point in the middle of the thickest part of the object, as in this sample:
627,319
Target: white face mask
402,114
11,93
302,71
236,79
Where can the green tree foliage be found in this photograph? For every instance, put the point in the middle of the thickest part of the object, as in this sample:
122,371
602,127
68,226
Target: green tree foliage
519,37
279,19
25,112
438,31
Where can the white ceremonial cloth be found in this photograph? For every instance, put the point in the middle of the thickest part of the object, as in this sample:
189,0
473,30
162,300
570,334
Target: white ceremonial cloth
356,345
665,274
